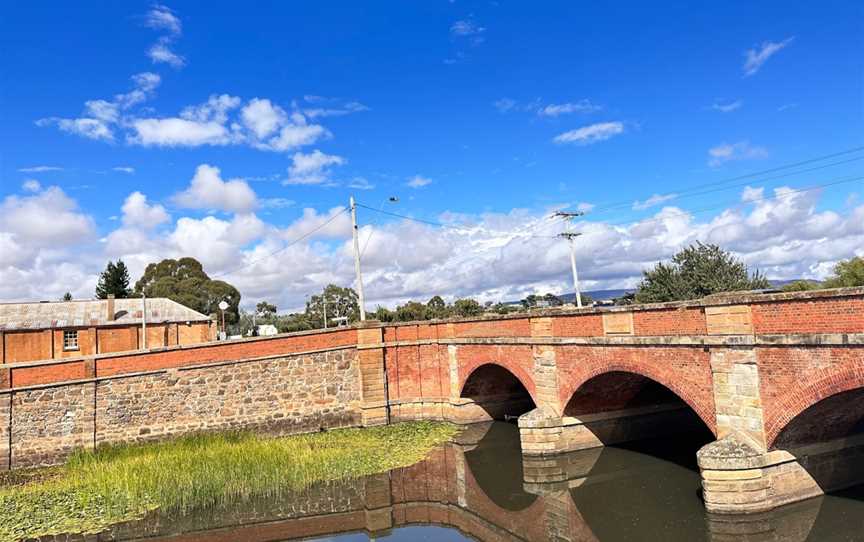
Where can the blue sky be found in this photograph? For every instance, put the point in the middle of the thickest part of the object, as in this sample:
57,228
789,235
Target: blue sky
484,115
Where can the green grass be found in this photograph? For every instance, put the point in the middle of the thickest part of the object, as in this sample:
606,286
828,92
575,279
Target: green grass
94,490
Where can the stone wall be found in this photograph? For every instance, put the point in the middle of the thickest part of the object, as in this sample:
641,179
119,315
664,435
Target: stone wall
287,394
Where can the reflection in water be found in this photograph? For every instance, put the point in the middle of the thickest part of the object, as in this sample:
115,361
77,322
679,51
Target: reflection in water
480,488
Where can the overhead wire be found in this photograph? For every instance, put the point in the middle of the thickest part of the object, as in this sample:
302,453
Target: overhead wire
286,247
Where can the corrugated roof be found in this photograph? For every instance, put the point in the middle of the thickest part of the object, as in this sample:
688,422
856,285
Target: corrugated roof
56,314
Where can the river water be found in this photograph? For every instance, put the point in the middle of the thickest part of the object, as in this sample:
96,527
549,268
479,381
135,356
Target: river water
480,488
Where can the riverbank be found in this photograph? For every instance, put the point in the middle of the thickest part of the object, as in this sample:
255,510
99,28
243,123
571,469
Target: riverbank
120,483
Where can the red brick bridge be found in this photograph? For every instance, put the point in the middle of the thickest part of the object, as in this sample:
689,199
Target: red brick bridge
777,378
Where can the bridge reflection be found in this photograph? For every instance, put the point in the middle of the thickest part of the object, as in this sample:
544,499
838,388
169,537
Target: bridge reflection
483,487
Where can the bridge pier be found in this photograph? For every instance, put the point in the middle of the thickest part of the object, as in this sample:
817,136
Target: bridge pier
544,433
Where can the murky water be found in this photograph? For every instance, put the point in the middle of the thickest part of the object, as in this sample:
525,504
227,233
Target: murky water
481,488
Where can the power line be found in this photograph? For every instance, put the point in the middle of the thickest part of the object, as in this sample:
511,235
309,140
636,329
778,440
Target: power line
792,165
286,247
714,207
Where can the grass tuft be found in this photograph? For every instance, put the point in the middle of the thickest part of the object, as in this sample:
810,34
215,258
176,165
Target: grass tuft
96,489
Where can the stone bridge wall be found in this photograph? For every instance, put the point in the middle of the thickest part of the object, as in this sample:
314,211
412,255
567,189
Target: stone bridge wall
746,364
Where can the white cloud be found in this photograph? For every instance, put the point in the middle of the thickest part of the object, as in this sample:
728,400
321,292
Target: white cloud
504,105
555,110
262,117
137,213
86,127
756,57
729,152
276,203
726,107
31,185
493,256
311,168
466,28
337,111
208,191
418,181
123,169
656,199
593,133
45,219
215,109
292,136
163,18
39,169
361,183
176,132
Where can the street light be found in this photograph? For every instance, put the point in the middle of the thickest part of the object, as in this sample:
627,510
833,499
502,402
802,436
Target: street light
223,306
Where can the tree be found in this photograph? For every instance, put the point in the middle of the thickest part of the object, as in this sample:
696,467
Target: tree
185,282
114,281
67,297
383,314
802,286
265,311
411,311
467,307
695,272
847,273
553,300
340,302
436,308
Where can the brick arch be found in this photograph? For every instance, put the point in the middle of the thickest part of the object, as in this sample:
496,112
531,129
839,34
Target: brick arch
824,384
514,368
702,406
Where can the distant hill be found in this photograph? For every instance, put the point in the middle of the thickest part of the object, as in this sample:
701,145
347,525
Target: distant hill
604,295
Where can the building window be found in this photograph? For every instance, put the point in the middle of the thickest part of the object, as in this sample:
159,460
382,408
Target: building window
70,339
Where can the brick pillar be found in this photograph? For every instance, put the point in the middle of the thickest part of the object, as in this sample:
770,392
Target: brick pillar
2,348
373,384
737,399
541,430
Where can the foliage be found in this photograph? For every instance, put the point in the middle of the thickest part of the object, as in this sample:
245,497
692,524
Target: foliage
265,311
695,272
340,302
113,281
383,314
120,483
467,307
847,273
436,308
411,311
501,308
801,286
185,282
67,297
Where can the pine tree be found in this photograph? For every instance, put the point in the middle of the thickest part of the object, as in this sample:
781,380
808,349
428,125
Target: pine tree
114,280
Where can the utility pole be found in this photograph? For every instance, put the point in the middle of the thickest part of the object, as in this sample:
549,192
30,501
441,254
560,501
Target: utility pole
571,237
354,233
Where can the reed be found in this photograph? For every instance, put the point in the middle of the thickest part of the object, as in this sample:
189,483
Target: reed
96,489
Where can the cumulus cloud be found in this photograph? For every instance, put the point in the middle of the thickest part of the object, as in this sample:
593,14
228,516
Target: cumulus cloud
311,168
137,213
755,58
262,117
494,256
101,116
729,152
592,133
208,191
46,218
418,181
31,185
163,19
